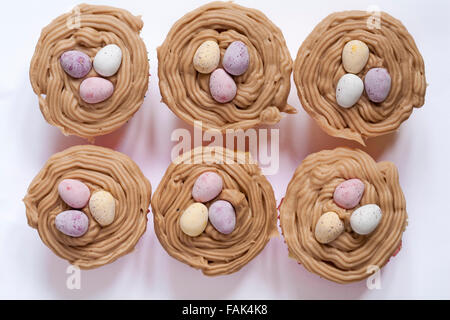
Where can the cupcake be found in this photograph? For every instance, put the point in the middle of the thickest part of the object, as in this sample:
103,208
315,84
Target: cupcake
89,205
343,215
225,66
214,210
359,78
90,70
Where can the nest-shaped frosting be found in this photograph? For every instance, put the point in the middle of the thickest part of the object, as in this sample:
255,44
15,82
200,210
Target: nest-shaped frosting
89,28
318,68
351,256
244,187
100,169
262,91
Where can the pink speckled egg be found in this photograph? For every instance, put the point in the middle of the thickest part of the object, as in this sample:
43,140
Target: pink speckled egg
207,186
75,193
95,90
75,63
348,194
222,86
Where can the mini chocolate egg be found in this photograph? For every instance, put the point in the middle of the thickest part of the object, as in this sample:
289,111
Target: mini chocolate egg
236,58
222,216
103,207
108,60
377,83
75,63
349,90
207,57
348,194
328,228
72,223
74,193
95,90
365,219
222,86
354,56
207,186
194,219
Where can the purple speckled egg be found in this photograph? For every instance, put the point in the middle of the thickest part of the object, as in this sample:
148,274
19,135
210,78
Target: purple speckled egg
95,89
72,223
76,63
236,58
377,84
75,193
222,87
348,194
207,186
222,216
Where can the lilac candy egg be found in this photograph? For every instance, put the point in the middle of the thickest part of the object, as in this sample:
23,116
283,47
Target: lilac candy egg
236,58
75,193
377,84
222,216
72,223
348,194
222,86
95,90
76,63
207,186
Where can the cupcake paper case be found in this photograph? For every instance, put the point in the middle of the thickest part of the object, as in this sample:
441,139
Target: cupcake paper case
311,194
88,29
100,169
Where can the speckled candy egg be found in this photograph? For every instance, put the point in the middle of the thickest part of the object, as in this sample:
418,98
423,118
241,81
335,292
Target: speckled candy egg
222,86
103,207
348,194
236,58
75,63
365,219
95,90
349,90
72,223
107,61
207,57
354,56
207,186
328,227
194,219
222,216
74,193
377,83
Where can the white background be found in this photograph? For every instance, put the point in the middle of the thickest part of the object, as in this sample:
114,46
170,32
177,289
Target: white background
28,269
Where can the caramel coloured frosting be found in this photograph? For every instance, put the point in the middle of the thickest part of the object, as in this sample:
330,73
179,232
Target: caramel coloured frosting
318,68
350,257
243,186
262,91
100,169
88,28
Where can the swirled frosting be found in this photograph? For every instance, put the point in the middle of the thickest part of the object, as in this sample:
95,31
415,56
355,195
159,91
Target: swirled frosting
318,68
351,256
244,187
100,169
88,29
262,91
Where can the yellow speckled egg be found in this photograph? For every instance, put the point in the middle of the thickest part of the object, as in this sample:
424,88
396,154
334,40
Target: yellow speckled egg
194,219
355,56
103,207
207,57
328,228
